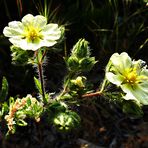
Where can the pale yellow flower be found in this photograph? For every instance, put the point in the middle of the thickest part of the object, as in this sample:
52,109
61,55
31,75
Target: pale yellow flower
79,81
32,32
130,75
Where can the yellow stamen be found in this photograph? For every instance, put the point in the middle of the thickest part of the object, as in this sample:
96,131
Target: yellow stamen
33,34
131,76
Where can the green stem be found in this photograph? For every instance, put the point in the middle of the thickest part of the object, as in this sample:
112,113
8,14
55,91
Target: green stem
40,69
41,79
43,56
69,77
103,85
97,93
65,88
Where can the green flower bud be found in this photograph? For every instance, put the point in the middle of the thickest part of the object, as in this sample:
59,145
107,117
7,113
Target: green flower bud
79,81
81,49
87,63
73,63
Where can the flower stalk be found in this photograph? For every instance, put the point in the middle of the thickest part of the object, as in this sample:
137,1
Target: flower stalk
95,94
40,71
66,83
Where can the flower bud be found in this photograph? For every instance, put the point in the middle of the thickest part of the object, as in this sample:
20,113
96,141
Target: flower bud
81,49
73,63
87,63
79,81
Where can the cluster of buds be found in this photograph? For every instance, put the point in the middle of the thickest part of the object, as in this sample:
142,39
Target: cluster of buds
80,59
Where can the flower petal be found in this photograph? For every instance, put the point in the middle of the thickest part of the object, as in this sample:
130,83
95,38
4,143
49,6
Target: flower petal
144,72
121,61
115,79
18,42
51,28
141,95
48,43
27,20
39,21
51,32
129,96
16,25
15,28
139,92
54,36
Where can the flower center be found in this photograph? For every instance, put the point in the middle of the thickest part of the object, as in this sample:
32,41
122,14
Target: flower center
33,34
131,76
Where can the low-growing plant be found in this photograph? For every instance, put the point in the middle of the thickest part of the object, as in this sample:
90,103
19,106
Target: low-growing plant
125,81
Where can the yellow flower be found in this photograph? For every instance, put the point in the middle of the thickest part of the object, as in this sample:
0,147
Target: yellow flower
79,81
130,75
32,33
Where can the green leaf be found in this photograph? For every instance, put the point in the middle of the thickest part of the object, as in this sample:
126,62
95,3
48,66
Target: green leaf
76,118
21,122
38,85
57,107
5,108
11,101
87,63
4,90
28,102
132,108
66,96
66,121
20,56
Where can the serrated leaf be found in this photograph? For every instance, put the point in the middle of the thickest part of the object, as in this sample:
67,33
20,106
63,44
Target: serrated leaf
4,90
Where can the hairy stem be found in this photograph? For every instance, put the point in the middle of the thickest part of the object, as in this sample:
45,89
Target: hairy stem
40,70
41,79
98,93
66,83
